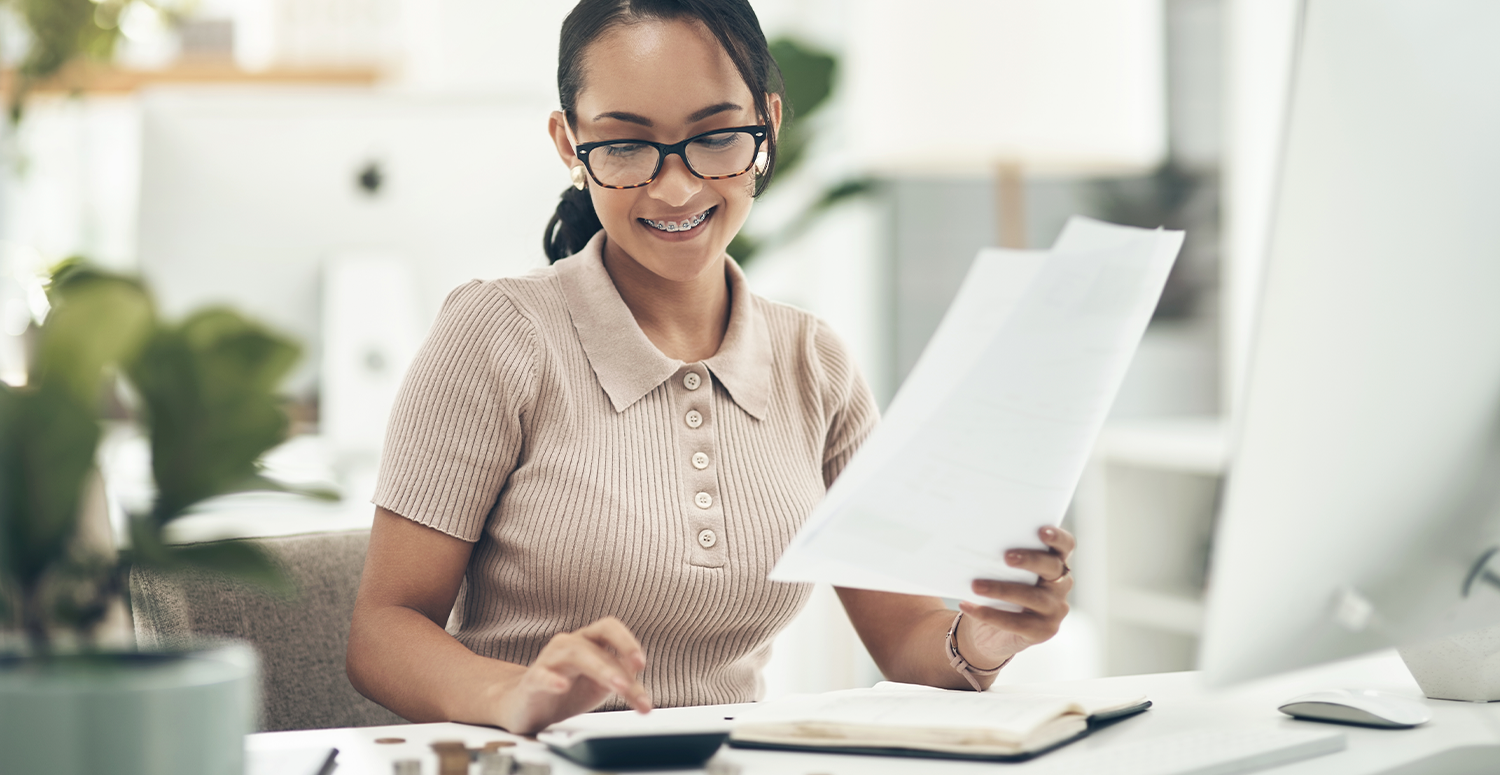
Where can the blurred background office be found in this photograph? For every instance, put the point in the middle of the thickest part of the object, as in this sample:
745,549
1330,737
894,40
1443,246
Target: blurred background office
334,167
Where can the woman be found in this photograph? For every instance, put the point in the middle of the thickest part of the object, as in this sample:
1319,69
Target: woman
593,467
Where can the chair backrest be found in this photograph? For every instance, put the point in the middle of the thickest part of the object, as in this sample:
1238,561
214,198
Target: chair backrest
301,642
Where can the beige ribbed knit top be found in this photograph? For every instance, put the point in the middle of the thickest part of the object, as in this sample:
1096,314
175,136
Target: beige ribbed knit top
599,477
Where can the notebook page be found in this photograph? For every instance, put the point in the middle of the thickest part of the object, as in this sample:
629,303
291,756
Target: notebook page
1014,716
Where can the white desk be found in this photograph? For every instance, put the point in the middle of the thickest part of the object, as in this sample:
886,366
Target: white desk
1181,703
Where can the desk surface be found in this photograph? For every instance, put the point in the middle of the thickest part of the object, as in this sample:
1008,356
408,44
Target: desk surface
1181,703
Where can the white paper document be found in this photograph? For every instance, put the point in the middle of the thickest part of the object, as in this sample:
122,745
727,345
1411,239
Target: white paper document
987,438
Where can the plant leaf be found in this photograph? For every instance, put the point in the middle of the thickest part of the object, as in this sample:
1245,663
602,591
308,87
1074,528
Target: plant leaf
807,77
97,320
207,387
61,31
807,73
47,442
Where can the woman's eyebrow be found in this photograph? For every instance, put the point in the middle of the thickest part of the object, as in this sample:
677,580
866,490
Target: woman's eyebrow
636,118
712,110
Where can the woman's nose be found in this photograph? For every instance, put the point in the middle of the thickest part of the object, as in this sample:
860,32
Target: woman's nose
674,185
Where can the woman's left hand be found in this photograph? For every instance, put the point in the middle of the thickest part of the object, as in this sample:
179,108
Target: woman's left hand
988,636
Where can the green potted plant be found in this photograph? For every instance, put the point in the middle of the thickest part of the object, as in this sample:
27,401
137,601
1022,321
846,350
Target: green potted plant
205,390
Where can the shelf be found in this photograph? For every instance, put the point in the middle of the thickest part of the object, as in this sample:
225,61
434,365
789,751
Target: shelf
1178,611
1198,445
99,79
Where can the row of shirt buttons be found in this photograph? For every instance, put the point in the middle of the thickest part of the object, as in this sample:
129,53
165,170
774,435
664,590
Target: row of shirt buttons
707,537
691,381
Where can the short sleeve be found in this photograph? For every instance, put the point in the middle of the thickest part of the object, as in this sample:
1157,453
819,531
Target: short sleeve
455,431
849,405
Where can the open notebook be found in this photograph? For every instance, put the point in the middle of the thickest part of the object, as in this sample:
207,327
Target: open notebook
910,721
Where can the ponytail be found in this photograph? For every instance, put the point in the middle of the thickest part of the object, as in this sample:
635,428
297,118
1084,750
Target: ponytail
572,226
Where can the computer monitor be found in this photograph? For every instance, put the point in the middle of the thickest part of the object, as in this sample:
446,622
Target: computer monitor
249,193
1362,491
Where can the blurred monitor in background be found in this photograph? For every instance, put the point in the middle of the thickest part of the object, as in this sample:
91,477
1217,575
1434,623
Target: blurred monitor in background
1362,496
342,216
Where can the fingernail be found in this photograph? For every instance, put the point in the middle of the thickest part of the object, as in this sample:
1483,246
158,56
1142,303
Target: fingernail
1014,558
1049,531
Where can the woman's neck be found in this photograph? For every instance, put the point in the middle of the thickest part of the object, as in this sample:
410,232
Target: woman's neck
686,320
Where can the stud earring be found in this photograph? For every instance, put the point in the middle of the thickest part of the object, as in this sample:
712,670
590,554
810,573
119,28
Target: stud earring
578,180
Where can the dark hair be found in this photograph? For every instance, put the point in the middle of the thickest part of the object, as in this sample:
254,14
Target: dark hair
737,29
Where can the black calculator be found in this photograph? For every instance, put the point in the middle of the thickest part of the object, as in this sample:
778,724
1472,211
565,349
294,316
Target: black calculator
635,750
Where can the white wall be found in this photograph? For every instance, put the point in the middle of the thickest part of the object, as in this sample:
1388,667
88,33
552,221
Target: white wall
511,45
69,179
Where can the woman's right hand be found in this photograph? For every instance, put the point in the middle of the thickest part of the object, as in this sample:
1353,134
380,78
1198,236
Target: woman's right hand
575,673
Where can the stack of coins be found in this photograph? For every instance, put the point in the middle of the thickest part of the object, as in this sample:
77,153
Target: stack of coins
533,768
453,757
495,758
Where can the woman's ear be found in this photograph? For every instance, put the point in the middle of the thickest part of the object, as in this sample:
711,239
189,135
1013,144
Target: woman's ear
557,126
773,106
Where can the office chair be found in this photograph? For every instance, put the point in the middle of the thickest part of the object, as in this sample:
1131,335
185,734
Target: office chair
300,642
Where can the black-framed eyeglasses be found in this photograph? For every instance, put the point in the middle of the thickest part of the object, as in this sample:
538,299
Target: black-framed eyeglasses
716,155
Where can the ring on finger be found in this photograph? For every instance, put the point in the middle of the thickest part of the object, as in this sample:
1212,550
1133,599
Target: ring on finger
1066,572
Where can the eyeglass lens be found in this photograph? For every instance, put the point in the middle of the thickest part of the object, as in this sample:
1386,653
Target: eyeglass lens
631,164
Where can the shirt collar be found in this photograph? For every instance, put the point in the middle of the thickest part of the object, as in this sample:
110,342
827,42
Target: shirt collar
629,366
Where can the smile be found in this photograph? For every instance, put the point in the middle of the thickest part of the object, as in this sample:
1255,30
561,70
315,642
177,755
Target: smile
687,224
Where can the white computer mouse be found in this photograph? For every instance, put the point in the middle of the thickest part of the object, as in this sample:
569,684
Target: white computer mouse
1365,707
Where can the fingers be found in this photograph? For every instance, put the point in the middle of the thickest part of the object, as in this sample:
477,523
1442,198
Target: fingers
1060,540
1031,627
1049,567
1045,603
1036,599
613,634
591,653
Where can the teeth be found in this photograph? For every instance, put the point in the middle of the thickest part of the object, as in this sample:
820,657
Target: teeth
685,225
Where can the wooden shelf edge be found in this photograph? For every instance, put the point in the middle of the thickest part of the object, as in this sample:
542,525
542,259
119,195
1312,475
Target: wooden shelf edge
96,79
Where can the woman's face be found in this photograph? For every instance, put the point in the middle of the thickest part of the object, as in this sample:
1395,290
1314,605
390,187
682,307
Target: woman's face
664,81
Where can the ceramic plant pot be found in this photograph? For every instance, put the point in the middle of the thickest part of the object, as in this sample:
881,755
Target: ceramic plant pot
137,713
1460,667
